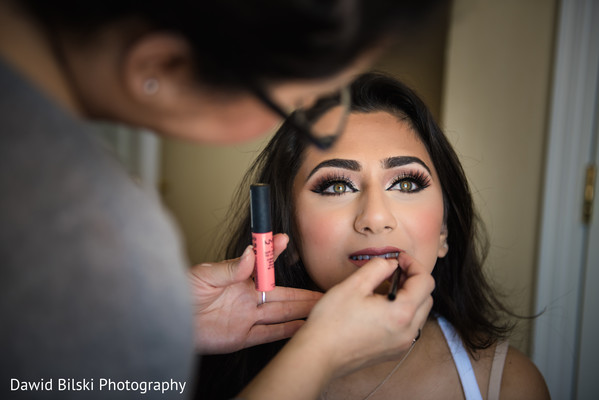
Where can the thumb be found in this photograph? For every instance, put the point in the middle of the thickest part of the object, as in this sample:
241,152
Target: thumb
227,272
241,268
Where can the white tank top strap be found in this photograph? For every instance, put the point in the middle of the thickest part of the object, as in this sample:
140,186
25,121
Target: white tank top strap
497,370
461,360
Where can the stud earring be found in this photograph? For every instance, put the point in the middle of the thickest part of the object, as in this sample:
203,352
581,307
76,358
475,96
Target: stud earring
151,86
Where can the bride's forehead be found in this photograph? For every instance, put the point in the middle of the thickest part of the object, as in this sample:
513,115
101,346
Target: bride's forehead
372,136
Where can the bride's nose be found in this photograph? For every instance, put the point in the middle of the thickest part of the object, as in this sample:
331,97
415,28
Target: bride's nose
374,215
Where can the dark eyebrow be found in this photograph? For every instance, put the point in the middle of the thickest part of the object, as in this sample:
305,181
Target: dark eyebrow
393,162
352,165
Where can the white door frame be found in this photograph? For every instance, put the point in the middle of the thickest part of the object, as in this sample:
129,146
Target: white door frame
563,235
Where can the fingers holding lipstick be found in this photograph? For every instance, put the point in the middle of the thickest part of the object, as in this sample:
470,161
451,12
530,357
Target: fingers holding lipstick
370,276
375,328
238,269
414,297
280,241
226,316
417,284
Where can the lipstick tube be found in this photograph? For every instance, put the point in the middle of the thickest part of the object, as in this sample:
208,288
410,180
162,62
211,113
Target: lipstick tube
264,268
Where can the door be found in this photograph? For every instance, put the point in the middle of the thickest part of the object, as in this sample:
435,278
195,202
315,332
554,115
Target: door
566,333
587,373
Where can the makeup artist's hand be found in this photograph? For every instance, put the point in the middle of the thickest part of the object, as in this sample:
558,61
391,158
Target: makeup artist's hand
349,328
227,313
362,328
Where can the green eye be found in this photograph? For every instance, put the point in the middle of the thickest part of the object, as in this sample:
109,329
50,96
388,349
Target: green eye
334,186
411,182
339,187
406,186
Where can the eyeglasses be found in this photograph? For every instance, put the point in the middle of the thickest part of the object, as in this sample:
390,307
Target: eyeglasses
322,131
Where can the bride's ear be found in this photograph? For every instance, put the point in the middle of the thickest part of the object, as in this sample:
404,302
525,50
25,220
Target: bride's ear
443,245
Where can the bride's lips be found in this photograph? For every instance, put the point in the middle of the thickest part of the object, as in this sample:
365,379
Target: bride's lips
361,257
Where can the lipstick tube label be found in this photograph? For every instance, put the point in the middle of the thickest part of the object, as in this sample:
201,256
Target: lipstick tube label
264,268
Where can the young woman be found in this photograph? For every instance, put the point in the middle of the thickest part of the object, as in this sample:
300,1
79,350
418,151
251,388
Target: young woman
391,187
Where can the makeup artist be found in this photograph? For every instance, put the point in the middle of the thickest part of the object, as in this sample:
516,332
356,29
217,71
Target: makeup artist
93,281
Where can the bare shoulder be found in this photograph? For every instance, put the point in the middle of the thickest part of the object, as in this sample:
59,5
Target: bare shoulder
522,379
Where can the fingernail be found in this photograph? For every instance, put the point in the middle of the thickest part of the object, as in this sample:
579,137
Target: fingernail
247,252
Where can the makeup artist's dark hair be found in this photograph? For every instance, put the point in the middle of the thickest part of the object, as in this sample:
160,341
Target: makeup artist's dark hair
462,294
236,41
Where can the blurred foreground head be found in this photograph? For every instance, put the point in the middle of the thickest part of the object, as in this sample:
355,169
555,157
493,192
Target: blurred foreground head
220,71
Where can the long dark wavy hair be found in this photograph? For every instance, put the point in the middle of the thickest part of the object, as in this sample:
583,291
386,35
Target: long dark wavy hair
462,293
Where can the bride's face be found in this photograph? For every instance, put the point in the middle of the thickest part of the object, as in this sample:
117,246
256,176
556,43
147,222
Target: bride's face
375,193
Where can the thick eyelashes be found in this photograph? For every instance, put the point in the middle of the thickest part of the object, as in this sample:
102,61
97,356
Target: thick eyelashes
411,182
336,185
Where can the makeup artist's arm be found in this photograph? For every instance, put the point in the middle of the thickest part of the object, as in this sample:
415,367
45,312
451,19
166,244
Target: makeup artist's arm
228,316
348,329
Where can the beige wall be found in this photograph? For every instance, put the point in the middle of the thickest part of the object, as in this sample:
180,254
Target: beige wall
489,82
197,185
495,105
419,61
